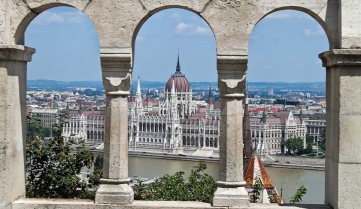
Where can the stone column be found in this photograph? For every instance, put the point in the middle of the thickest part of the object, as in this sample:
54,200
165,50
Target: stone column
343,122
231,189
13,61
114,186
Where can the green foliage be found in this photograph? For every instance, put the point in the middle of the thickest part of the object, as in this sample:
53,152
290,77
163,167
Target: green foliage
273,198
53,164
323,140
297,198
94,178
294,145
34,127
257,189
309,148
199,186
310,140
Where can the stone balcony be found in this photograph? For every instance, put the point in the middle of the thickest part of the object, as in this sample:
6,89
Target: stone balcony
88,204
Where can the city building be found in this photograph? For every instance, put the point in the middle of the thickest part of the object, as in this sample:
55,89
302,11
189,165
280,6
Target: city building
175,123
85,123
269,132
316,125
47,117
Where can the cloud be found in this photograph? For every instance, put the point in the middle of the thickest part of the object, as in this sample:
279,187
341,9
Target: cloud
191,29
140,38
176,16
317,31
48,17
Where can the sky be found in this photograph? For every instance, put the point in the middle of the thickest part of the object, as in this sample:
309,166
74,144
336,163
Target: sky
283,47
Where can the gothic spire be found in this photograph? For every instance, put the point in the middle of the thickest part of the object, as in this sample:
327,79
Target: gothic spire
210,96
67,105
138,87
247,138
178,69
80,111
264,116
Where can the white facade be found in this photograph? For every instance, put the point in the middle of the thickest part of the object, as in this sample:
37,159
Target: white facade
268,133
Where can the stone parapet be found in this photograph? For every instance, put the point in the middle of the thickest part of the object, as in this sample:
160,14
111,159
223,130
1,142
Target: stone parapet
88,204
16,53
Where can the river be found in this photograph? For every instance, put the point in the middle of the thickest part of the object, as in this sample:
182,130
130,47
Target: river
287,179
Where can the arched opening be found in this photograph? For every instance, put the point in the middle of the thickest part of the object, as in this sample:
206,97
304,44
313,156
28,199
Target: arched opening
283,51
64,74
179,43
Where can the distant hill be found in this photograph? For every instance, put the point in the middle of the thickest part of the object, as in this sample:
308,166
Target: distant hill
60,85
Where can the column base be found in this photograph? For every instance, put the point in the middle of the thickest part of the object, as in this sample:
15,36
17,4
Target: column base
231,194
114,192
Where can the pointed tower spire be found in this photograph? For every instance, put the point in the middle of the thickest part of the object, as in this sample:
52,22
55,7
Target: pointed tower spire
80,111
147,99
67,106
264,116
247,140
178,69
210,96
138,87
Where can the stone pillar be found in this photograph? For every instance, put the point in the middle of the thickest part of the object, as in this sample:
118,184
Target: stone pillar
114,186
343,122
13,61
231,189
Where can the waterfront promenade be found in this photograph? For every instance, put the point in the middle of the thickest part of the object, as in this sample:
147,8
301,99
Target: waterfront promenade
278,161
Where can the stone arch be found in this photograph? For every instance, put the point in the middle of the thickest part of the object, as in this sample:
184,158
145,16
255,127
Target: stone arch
34,8
163,6
328,28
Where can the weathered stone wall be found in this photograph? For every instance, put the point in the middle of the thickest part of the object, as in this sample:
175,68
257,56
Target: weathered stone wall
232,21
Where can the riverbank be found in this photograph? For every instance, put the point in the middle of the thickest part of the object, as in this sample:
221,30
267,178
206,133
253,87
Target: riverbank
284,162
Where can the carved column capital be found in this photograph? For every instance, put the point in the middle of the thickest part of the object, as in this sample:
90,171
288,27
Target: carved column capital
232,75
116,72
16,53
338,57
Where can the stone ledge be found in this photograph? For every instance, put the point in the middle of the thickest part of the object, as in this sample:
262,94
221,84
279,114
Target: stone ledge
89,204
16,53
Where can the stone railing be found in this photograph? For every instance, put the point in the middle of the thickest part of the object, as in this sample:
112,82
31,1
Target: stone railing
88,204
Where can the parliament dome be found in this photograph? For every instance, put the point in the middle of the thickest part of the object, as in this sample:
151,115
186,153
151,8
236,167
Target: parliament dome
181,83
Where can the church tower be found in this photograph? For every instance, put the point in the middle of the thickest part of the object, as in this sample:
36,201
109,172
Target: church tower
247,141
138,100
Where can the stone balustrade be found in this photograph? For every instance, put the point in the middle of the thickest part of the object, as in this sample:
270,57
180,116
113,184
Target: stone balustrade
87,204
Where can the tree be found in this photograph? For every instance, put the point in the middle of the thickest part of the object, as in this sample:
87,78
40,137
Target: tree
323,140
309,148
257,189
297,198
295,145
53,165
199,186
34,127
310,139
